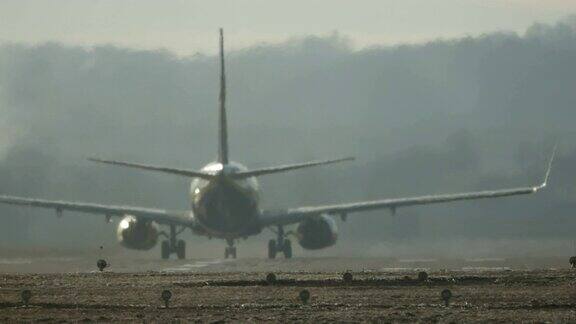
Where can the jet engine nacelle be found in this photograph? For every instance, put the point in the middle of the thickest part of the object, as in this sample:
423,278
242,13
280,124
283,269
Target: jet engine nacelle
137,234
317,232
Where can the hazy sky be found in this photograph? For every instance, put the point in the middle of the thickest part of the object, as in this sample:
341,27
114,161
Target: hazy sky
187,27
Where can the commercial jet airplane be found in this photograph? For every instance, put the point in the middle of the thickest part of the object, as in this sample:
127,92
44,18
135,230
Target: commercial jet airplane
224,204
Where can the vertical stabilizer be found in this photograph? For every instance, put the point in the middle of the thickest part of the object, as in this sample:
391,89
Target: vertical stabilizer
223,125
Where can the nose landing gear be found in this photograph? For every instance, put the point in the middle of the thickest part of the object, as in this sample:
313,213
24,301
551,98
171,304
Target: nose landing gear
280,245
172,245
230,250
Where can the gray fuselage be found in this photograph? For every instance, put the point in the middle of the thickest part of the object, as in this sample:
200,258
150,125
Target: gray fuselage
225,207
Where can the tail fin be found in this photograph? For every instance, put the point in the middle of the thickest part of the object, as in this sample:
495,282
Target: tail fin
223,125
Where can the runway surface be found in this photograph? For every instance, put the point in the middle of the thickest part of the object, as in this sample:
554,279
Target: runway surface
72,289
59,262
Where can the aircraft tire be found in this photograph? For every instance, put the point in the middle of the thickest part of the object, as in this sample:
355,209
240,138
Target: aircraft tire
233,252
271,249
181,249
287,249
165,248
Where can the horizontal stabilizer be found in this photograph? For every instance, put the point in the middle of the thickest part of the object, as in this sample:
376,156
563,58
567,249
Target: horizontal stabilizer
182,172
283,168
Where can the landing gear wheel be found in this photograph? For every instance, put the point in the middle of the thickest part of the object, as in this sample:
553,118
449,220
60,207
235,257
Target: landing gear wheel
287,249
272,249
165,250
181,249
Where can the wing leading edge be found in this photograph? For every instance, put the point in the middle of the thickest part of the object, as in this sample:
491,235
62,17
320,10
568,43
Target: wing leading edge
158,215
295,215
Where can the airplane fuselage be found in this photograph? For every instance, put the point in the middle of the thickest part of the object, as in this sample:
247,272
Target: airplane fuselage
225,207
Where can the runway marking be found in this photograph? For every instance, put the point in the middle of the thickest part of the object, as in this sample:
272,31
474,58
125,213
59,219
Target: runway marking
418,260
397,269
486,260
486,268
195,265
15,261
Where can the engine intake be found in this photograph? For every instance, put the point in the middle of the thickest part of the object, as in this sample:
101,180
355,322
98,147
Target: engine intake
317,232
137,234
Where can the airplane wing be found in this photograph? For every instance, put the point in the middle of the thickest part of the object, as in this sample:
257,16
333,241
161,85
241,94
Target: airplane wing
161,216
296,215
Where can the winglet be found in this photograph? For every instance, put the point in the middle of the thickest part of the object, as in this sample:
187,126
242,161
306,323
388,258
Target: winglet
547,175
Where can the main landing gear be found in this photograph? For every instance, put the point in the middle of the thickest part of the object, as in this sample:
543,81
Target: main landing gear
280,245
230,251
172,245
